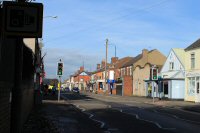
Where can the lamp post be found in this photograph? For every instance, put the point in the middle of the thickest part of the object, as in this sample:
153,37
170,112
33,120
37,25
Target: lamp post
115,49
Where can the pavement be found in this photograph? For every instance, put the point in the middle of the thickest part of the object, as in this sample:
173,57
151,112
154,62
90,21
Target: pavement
59,117
62,117
179,104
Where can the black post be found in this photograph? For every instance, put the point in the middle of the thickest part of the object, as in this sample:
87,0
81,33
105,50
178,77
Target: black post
16,122
16,91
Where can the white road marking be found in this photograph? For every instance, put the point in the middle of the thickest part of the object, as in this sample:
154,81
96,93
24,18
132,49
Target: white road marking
178,118
149,121
91,116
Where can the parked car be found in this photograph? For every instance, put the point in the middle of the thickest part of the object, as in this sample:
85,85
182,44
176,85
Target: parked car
75,89
67,89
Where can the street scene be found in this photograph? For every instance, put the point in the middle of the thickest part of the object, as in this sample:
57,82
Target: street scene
100,66
88,112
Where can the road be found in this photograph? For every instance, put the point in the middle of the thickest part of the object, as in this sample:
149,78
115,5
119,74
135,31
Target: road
117,115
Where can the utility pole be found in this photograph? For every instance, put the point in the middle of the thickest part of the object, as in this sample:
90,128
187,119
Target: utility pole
106,64
115,51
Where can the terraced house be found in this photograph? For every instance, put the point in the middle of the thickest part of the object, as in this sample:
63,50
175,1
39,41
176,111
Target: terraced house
192,68
141,71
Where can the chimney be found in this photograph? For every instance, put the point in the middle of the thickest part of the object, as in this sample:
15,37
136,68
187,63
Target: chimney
81,68
144,52
114,60
103,63
98,66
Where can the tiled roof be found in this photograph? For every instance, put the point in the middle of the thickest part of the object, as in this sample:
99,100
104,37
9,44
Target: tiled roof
132,61
194,45
122,61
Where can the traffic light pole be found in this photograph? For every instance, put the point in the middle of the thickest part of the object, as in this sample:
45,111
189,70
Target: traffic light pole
59,73
154,76
59,88
153,90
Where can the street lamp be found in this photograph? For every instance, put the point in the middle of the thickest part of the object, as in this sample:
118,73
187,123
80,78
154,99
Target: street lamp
115,49
50,17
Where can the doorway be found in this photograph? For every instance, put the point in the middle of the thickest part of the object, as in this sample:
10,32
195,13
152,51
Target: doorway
197,89
165,88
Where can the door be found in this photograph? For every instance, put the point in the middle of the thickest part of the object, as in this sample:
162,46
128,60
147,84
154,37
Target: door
197,89
119,89
165,88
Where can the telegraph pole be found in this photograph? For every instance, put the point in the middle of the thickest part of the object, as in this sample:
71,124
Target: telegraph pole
106,64
115,51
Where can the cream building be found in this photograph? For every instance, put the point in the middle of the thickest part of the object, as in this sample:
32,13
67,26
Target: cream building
141,70
192,72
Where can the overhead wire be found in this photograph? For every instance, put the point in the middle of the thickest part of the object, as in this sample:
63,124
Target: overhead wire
110,22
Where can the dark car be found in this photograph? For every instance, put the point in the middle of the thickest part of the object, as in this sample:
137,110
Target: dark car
67,89
75,89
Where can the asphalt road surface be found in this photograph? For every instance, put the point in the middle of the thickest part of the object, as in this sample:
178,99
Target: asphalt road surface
115,115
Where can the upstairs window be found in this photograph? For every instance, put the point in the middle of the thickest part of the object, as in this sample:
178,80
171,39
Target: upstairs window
130,70
171,65
192,61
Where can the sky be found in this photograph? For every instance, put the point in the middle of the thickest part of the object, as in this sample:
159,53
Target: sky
78,35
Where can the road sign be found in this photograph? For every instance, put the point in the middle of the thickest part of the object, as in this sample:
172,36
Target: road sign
22,19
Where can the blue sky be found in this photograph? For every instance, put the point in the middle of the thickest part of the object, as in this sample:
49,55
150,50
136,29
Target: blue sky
78,34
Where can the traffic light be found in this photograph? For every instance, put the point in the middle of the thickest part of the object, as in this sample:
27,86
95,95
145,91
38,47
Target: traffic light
154,74
60,69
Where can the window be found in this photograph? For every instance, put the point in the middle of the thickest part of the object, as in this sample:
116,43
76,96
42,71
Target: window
130,70
123,71
191,86
171,65
192,61
198,80
180,67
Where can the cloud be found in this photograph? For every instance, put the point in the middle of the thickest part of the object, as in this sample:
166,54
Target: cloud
72,61
80,31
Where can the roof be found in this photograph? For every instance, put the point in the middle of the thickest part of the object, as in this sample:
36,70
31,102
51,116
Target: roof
132,61
194,45
173,75
180,53
122,61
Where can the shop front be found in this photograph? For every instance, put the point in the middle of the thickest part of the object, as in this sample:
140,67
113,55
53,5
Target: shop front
193,86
